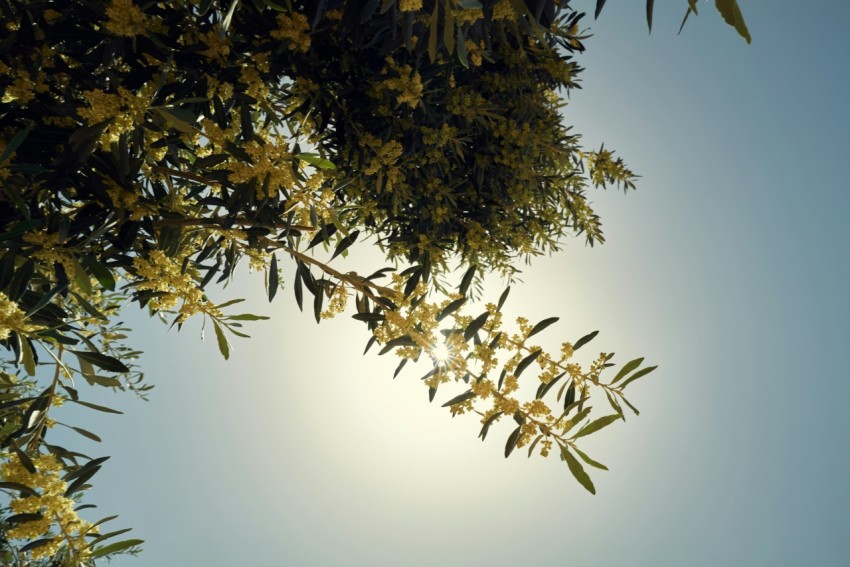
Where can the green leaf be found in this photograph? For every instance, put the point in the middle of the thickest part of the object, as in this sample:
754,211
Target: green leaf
544,388
16,141
84,470
577,470
649,7
534,444
732,15
589,461
468,395
101,273
86,433
406,340
22,518
107,536
369,317
542,325
247,317
466,281
475,325
512,441
433,32
584,340
525,362
487,424
344,243
27,357
115,547
103,361
274,278
19,229
597,424
451,308
503,298
177,123
23,489
223,345
628,367
97,407
37,543
316,160
638,374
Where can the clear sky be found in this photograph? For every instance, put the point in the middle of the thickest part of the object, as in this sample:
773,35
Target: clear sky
728,267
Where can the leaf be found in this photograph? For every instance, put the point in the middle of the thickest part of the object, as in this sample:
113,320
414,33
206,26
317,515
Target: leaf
649,6
299,291
37,543
525,362
503,298
101,273
19,229
274,279
628,367
512,441
178,124
597,424
732,15
97,407
23,489
316,160
86,433
542,325
577,470
94,463
534,444
544,388
369,316
487,424
16,141
27,358
468,395
589,461
21,518
103,361
475,325
406,340
223,345
433,32
584,340
451,308
247,317
117,546
345,242
109,535
599,6
638,374
467,280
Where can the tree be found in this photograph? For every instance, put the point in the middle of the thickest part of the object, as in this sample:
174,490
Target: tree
147,149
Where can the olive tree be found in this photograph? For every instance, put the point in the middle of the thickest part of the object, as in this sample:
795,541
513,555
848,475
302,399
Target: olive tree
147,149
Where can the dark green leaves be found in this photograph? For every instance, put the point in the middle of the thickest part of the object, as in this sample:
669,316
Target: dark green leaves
597,424
512,441
274,279
628,367
345,242
542,325
584,340
577,470
487,423
637,375
732,15
468,395
115,547
525,362
475,325
103,361
223,345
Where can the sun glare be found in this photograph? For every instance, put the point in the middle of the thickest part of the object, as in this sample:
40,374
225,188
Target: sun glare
440,353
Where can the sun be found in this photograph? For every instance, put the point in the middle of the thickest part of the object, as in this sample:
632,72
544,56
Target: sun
441,354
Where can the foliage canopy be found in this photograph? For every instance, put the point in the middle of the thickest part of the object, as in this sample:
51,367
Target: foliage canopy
146,149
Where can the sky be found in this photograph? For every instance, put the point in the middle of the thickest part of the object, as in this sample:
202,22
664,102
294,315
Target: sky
728,267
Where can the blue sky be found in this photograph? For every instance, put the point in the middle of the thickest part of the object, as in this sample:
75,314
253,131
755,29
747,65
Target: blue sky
728,267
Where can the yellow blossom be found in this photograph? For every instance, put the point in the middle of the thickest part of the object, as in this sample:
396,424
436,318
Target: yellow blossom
295,29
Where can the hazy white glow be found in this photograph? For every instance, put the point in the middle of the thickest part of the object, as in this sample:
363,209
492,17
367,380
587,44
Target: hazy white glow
440,353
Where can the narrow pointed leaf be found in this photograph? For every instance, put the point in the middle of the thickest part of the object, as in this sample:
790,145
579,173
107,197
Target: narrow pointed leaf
628,367
577,470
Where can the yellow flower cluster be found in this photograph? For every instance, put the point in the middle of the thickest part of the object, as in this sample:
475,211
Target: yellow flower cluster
271,167
409,5
124,110
385,154
52,504
337,304
218,46
160,273
50,251
124,18
12,318
407,83
294,28
23,88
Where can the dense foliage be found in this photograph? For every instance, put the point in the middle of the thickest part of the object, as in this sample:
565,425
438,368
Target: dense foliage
147,148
